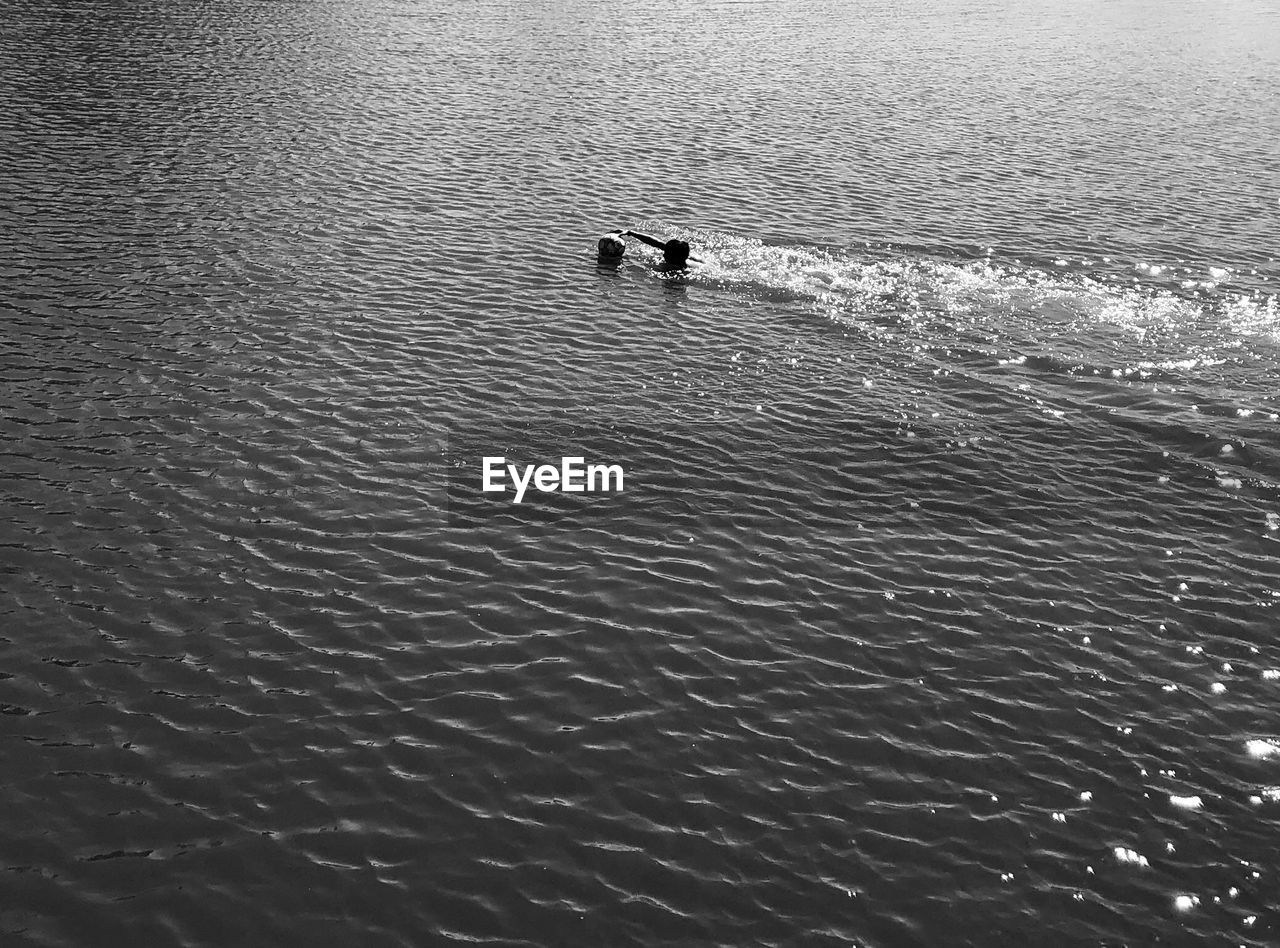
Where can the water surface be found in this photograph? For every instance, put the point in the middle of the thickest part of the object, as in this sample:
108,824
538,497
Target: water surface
939,608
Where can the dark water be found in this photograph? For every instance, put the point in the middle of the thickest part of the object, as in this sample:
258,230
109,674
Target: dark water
940,605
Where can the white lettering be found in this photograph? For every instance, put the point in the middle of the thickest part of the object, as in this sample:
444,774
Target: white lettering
573,476
604,471
522,484
569,468
547,479
493,474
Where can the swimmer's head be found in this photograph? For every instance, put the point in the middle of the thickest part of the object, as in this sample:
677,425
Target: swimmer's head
611,246
676,251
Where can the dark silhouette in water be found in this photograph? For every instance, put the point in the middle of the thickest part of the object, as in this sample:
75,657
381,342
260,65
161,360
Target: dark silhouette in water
612,246
675,253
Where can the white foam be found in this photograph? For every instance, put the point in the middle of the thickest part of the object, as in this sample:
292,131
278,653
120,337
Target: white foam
1186,803
1261,748
1130,857
1249,315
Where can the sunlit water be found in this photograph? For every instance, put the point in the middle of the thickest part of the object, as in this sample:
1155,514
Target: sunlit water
940,606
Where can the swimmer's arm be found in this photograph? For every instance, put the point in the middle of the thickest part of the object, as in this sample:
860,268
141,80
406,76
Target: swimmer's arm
645,238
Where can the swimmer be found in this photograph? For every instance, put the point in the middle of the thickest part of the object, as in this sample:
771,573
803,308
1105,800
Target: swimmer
612,246
674,252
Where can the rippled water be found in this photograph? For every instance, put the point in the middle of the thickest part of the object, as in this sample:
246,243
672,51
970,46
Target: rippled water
940,606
